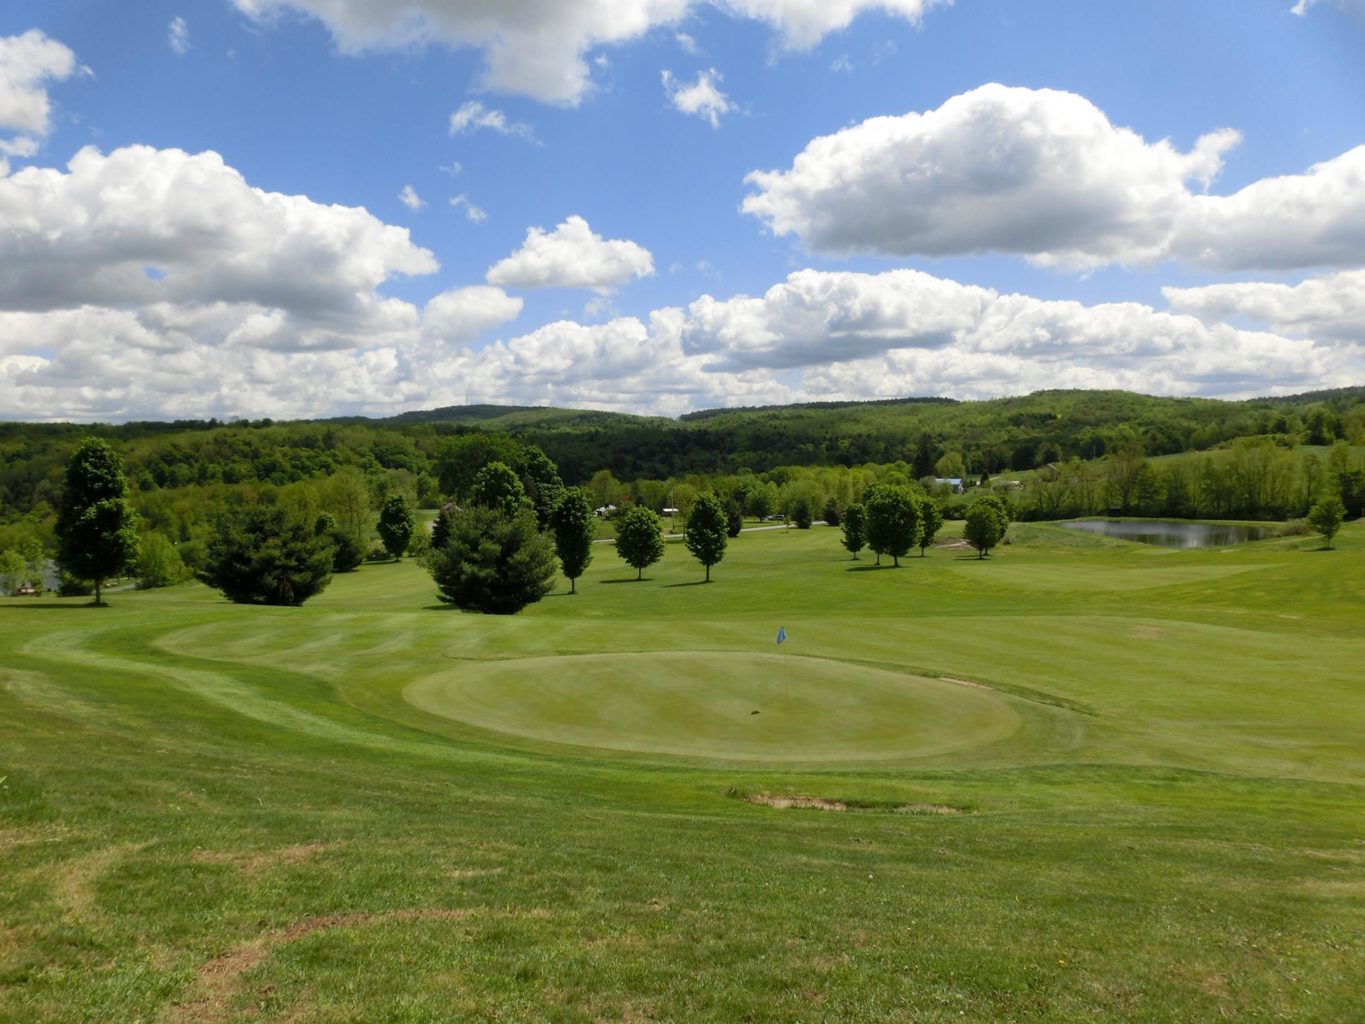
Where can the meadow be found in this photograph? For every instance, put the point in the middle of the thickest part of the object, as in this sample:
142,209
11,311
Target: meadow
1080,780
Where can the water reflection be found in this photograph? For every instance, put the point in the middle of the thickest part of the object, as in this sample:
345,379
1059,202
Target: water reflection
1171,535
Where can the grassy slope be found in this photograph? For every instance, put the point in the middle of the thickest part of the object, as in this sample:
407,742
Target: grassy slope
221,813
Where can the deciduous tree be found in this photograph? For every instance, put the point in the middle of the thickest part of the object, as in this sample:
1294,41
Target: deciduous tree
855,528
1326,517
572,523
396,523
95,527
893,524
706,532
640,538
931,520
986,522
496,486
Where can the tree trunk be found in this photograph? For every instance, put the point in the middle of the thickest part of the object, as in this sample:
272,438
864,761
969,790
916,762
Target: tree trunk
573,589
639,573
97,593
708,574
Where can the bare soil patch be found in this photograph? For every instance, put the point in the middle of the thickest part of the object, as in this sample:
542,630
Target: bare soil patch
791,801
783,803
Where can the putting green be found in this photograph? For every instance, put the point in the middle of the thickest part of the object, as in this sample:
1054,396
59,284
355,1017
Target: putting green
703,704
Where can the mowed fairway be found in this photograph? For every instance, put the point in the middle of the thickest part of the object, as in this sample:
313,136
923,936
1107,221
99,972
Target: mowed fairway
1084,781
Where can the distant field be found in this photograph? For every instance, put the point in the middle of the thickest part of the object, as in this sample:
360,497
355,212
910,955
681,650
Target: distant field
1083,780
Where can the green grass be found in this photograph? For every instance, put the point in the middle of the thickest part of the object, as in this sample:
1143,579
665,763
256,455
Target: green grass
377,808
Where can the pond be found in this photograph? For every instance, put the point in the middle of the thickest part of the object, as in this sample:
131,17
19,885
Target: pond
1171,535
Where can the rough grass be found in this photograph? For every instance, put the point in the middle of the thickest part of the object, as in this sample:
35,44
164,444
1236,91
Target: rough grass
212,813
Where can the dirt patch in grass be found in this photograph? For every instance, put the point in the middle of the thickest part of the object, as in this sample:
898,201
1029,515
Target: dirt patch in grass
790,801
216,982
253,864
782,803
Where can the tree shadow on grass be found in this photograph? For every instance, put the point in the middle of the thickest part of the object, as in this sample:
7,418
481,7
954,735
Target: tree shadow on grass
871,568
70,604
628,579
692,583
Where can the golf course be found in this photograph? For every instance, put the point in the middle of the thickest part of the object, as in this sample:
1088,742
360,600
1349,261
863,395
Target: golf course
1080,780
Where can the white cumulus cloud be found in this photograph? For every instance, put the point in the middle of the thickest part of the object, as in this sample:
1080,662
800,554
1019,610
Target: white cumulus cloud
462,315
1041,173
538,48
1044,174
908,332
88,236
571,256
409,198
157,282
178,35
702,98
28,64
1331,306
1314,219
472,213
474,116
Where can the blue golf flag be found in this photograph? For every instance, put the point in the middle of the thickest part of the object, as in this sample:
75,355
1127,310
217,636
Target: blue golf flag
781,634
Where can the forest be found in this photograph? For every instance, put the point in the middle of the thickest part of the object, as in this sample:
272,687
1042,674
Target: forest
1050,455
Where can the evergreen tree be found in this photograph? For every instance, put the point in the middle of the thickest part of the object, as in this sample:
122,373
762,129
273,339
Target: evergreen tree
267,552
572,523
640,538
95,528
706,532
396,523
347,553
734,518
440,530
493,562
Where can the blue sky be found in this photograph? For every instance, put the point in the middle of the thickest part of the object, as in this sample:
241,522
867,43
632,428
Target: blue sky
312,207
